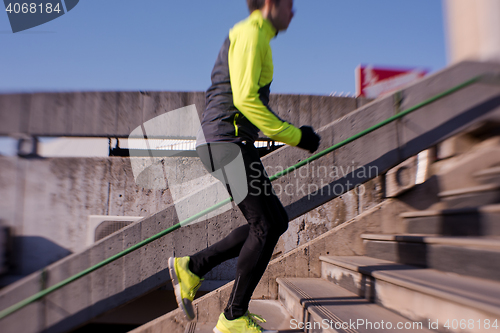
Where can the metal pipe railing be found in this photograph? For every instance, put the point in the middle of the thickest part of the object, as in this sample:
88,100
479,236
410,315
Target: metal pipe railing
45,292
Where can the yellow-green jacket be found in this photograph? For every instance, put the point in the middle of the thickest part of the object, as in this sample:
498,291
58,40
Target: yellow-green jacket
237,101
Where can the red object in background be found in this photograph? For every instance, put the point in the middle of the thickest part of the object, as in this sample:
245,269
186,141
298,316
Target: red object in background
373,82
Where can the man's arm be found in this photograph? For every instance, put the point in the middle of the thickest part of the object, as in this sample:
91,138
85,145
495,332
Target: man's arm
246,55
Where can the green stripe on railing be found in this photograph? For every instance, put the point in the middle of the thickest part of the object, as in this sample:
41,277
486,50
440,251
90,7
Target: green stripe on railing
89,270
374,127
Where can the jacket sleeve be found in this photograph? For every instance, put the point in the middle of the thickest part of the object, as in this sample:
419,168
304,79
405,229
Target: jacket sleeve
246,54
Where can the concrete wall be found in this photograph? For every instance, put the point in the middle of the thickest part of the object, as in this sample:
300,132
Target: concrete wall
343,240
313,224
47,201
473,30
145,270
116,114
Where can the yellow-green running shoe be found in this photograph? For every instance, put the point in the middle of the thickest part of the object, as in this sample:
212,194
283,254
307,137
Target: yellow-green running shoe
246,324
186,284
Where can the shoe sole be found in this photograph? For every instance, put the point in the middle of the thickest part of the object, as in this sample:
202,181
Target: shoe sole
177,288
217,331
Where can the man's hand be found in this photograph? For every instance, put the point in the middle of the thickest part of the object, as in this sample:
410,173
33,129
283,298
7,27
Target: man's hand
310,140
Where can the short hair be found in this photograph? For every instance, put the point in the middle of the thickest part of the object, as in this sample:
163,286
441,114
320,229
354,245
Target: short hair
257,4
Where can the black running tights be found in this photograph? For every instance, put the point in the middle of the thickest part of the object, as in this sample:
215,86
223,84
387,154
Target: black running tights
254,242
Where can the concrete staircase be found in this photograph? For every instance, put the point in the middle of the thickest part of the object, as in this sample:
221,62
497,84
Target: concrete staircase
321,306
277,318
434,269
142,271
442,273
439,273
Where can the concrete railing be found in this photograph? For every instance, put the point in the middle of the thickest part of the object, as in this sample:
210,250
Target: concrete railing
60,193
382,149
116,114
47,202
50,199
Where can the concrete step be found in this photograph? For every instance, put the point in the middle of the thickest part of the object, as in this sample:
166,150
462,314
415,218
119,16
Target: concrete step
460,171
320,306
301,261
425,295
488,176
276,316
472,256
471,196
470,221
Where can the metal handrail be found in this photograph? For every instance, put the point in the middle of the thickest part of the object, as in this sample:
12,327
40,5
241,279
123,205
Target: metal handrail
89,270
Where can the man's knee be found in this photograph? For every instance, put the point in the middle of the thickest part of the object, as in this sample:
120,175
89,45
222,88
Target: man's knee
271,230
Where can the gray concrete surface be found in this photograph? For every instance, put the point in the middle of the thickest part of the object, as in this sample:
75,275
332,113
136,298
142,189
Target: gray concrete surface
449,127
381,150
116,114
416,293
47,202
322,306
345,239
276,316
61,181
481,220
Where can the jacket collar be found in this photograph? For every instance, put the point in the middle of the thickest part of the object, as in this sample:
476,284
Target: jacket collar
263,23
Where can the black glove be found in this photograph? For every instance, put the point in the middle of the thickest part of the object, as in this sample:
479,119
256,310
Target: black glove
310,140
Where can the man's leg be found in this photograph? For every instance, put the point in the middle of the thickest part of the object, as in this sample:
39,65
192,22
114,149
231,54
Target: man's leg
202,262
216,157
186,272
253,243
267,221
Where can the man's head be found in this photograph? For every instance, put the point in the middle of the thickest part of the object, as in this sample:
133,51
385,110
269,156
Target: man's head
255,4
279,12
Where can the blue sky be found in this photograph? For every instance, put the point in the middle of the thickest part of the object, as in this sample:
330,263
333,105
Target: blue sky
172,45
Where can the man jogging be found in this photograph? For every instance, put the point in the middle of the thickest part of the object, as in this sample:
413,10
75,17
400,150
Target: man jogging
236,109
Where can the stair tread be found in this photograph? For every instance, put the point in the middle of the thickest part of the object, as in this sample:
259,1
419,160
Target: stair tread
494,208
326,300
477,292
470,190
362,264
490,242
277,318
488,172
418,238
196,327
